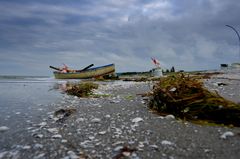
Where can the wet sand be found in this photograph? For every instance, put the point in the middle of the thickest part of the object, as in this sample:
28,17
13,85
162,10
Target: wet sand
101,127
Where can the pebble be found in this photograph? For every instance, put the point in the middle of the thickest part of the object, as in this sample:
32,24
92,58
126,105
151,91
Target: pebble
38,135
42,124
160,117
117,143
169,117
97,144
173,89
165,142
38,146
136,120
57,136
85,144
107,116
3,128
126,153
64,141
134,155
53,130
40,156
207,150
140,145
75,97
102,132
96,120
2,154
72,155
26,147
80,120
91,137
118,148
28,121
155,147
226,134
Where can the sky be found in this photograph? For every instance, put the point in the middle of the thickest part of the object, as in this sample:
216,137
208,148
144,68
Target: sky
186,34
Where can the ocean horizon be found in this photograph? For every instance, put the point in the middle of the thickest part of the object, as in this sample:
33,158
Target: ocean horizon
32,79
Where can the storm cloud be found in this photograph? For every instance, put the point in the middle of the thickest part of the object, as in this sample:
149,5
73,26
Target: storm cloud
189,35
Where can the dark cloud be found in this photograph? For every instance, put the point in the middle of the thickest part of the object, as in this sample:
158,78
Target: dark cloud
187,34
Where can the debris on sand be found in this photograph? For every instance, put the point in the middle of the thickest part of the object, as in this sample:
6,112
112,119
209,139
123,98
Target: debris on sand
96,120
136,120
72,155
57,136
83,89
102,132
185,97
53,130
219,84
38,146
169,117
26,147
3,128
165,142
154,147
38,136
62,114
124,151
42,124
39,156
226,134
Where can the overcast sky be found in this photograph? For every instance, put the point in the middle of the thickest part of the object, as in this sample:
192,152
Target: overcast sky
187,34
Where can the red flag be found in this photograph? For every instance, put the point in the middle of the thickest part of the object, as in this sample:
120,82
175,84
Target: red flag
65,66
155,61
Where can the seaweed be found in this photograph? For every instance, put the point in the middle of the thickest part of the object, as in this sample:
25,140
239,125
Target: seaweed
62,114
125,152
83,89
185,97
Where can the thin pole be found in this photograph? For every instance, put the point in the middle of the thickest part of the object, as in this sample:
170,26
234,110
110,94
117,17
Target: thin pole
237,35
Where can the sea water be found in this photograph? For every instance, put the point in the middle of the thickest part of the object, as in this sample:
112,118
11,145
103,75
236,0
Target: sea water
25,101
23,93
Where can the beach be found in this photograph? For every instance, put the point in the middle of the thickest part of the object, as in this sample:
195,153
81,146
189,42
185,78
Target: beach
117,124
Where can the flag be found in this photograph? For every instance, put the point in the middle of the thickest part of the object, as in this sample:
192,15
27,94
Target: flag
155,61
65,66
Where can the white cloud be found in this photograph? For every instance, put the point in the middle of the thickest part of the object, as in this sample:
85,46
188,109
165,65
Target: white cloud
157,9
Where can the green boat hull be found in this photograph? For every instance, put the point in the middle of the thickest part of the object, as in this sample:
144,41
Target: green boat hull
90,73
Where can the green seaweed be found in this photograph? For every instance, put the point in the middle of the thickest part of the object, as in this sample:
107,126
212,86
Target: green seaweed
186,98
82,89
101,95
129,97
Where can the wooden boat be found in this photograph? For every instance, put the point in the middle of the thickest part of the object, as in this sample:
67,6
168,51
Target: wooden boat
85,73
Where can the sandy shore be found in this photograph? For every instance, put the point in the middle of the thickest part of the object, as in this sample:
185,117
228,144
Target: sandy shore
101,127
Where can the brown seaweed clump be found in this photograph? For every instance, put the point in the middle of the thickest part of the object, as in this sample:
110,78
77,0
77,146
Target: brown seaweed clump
83,89
185,97
63,114
124,152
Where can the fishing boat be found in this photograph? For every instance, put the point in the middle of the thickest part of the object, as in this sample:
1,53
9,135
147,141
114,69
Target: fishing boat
85,73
